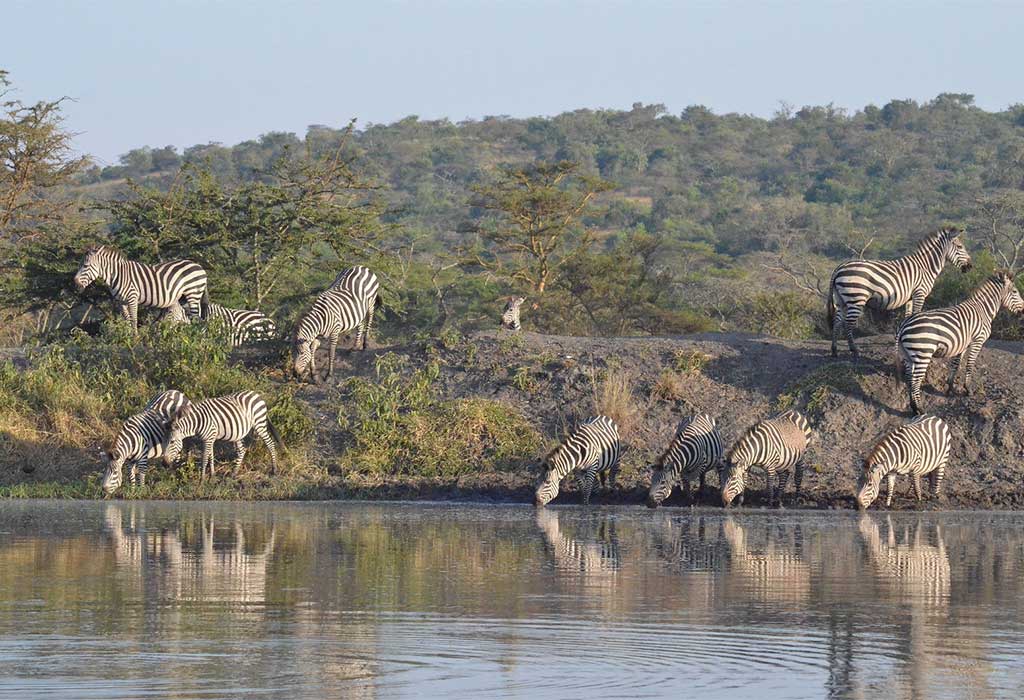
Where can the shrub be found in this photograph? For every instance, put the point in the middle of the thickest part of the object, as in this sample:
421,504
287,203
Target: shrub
614,396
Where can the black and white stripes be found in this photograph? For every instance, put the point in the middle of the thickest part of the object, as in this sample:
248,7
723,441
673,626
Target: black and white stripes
364,286
134,284
958,332
244,326
230,418
592,450
510,315
890,284
140,439
919,448
776,446
695,449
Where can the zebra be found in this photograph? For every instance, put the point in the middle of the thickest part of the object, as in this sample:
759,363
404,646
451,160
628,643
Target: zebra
244,325
695,450
140,439
957,332
890,284
510,316
918,448
175,314
134,284
593,450
364,285
334,312
229,418
774,445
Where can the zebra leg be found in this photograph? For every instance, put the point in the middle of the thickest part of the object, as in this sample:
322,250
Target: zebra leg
890,482
917,301
798,477
264,435
587,482
954,367
915,377
142,465
972,356
837,323
133,473
239,454
936,478
917,487
369,322
207,457
783,479
331,350
849,321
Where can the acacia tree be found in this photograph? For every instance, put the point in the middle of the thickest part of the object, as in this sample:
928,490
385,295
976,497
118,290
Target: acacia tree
532,223
999,220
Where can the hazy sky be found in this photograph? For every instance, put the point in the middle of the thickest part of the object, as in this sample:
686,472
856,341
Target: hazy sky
147,72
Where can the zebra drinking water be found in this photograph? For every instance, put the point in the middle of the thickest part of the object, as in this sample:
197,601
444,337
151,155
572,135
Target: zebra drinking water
510,316
695,450
919,448
135,284
364,285
230,418
957,331
890,284
334,312
593,450
776,446
140,439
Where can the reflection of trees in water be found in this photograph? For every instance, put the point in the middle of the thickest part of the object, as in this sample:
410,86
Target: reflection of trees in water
769,563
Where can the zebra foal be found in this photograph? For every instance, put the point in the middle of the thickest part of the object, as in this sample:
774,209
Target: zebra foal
958,332
695,450
510,315
919,448
135,284
890,284
776,446
593,450
230,418
140,439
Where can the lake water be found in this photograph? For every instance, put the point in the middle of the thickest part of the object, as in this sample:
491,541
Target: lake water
112,600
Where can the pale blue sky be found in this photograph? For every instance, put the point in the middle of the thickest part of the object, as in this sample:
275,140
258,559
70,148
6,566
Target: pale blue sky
147,72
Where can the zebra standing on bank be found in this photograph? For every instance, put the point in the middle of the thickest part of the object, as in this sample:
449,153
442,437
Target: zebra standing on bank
140,439
695,450
593,450
244,325
890,284
334,312
958,332
510,316
776,446
230,418
364,285
135,284
919,448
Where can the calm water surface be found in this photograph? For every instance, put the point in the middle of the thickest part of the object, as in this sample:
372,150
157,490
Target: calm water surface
129,600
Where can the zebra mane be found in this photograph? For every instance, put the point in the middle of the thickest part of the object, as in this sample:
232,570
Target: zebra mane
743,438
997,280
109,250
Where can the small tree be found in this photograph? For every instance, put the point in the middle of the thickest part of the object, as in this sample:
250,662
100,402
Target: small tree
532,225
999,221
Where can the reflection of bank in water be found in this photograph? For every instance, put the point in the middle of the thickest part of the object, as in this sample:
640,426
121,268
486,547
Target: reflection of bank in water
213,567
768,564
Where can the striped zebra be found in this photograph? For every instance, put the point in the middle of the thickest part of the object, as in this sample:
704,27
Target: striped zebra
593,450
244,326
230,418
140,439
695,450
365,286
510,316
919,448
958,332
890,284
334,312
175,314
134,284
776,446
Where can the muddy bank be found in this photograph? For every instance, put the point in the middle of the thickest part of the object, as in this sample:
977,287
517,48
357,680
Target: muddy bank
737,378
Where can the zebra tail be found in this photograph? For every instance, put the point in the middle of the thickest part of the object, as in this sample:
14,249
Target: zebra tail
274,434
204,305
830,305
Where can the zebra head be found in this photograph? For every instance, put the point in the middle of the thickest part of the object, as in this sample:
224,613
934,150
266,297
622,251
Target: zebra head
955,252
114,472
303,351
867,485
1012,301
549,486
90,269
663,480
735,483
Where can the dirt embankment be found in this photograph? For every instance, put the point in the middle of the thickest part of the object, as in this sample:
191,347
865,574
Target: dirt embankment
739,379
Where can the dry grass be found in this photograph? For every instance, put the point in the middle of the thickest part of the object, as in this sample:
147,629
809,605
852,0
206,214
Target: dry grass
615,396
670,386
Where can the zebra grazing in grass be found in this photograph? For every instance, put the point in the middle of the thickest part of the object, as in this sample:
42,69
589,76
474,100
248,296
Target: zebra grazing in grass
510,316
365,286
140,439
334,312
890,284
175,314
919,448
776,446
957,331
135,284
245,326
593,450
229,418
695,450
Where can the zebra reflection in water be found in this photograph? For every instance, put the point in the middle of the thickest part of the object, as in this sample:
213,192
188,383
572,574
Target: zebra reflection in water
588,553
770,567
